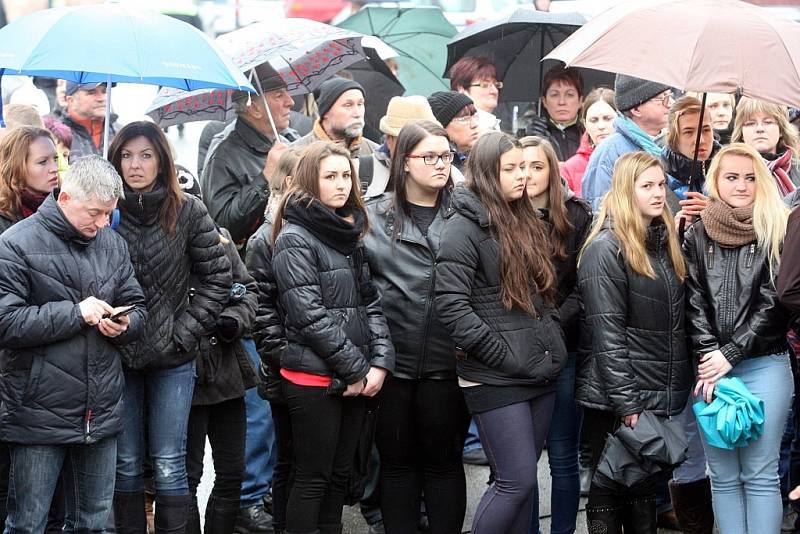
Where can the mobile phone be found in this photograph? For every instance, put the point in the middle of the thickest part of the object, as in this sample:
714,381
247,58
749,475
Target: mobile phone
125,310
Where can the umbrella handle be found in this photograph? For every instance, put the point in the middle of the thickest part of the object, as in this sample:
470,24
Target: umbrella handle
108,117
2,120
264,100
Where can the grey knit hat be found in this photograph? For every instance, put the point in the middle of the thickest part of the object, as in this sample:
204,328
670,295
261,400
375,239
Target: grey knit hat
329,92
631,92
447,104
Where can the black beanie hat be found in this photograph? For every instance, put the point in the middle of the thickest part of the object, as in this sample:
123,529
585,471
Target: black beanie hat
630,92
447,104
329,92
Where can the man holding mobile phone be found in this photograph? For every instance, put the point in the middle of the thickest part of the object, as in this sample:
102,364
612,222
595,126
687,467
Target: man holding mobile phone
68,298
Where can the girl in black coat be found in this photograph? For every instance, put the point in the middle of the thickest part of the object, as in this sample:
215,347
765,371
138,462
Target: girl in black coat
568,219
495,294
338,343
423,420
170,236
633,345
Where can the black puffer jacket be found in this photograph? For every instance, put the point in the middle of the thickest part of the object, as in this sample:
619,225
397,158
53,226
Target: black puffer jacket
333,318
61,380
566,141
163,263
502,347
731,299
224,370
234,188
268,332
579,214
403,271
633,353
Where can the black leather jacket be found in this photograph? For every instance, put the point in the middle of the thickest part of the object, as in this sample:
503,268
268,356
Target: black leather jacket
502,347
404,273
633,353
732,301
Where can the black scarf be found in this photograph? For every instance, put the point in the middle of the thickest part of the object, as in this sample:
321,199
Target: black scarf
328,226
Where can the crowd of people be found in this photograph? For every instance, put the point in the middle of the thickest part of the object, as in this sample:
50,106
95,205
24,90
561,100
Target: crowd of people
336,314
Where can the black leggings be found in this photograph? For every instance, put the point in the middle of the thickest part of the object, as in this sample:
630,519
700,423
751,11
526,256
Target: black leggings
284,464
325,433
420,436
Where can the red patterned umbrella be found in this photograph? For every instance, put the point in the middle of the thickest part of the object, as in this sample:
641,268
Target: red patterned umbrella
304,52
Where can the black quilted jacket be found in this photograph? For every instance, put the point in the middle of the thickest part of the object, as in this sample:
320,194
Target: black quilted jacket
633,353
163,264
503,347
61,380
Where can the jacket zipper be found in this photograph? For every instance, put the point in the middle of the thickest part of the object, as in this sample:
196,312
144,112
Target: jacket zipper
88,420
751,255
710,256
431,285
141,204
671,350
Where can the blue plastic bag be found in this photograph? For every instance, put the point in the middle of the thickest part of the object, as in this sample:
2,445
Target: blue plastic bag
735,418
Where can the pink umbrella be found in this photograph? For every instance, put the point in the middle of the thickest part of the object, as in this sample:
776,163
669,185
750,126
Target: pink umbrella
695,45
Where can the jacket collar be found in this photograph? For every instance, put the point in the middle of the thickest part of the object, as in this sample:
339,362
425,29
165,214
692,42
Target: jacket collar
144,207
467,203
255,140
411,232
54,220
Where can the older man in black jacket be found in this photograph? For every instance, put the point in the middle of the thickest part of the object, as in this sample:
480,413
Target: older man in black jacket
66,285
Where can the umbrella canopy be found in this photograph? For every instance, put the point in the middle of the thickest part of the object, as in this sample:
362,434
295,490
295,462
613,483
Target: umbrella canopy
381,86
735,418
304,53
695,45
112,42
419,36
516,45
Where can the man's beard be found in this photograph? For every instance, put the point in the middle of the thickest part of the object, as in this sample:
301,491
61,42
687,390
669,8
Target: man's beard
349,132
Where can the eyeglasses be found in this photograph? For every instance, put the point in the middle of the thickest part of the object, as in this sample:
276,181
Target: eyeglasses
665,100
766,123
433,159
485,85
466,118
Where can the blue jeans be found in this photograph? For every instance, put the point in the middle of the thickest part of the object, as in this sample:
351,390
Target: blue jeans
89,485
166,395
744,481
563,444
259,451
694,468
473,441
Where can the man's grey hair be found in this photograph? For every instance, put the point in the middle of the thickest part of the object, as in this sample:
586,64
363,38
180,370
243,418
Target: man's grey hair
93,176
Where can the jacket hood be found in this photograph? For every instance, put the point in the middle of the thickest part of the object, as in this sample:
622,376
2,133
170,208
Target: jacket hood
585,148
467,203
55,220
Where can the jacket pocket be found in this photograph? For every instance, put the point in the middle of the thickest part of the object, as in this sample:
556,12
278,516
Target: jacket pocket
32,386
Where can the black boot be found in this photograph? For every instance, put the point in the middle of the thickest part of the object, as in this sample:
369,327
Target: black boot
603,520
639,516
193,517
253,520
221,514
692,505
171,512
129,515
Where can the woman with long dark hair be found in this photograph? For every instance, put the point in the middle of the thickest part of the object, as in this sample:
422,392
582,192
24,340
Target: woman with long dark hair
338,347
169,236
495,294
568,219
633,353
422,420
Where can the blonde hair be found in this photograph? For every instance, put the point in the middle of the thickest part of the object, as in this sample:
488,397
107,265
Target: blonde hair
629,228
277,180
769,212
749,106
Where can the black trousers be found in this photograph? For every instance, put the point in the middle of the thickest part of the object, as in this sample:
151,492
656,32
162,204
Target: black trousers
283,472
325,432
420,435
225,424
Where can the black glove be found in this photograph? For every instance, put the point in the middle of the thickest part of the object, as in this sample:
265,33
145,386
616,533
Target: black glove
537,126
227,328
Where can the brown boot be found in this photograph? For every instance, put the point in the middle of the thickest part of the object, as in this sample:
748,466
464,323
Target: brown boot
692,505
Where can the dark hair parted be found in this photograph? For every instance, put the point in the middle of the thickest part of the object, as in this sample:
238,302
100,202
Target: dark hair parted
305,182
525,264
469,69
409,137
568,75
560,227
14,145
168,215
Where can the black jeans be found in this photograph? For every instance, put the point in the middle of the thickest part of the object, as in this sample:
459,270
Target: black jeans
284,464
420,435
597,424
325,432
225,424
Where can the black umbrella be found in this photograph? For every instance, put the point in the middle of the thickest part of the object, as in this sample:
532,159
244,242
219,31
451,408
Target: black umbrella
380,86
516,45
655,445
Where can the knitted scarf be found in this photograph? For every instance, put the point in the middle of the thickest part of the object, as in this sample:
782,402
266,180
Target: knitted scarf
639,136
30,202
730,227
780,168
351,143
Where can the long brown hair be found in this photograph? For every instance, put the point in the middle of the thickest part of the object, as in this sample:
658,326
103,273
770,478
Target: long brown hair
525,265
305,182
168,215
560,226
629,228
13,166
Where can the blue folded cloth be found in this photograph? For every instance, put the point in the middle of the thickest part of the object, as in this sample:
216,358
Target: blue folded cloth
735,418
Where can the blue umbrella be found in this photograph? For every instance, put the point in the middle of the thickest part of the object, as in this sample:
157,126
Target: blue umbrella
114,43
735,418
